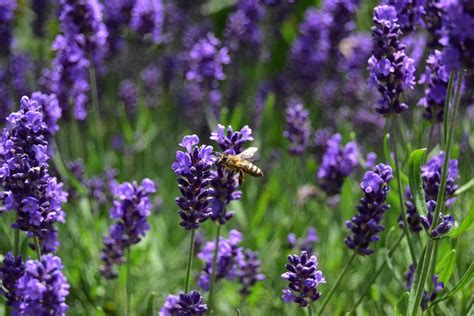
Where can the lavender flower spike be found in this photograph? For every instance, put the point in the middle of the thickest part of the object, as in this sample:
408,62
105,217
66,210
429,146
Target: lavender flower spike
191,304
298,128
147,18
131,208
303,280
338,162
12,269
43,288
193,168
391,71
366,225
7,8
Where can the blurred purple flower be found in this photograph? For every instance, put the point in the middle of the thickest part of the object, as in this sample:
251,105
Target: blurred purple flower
117,16
127,92
436,79
298,127
307,243
338,162
43,288
193,168
41,9
12,269
303,279
7,8
433,22
151,79
409,13
365,226
131,208
147,18
437,287
21,66
391,71
6,102
249,271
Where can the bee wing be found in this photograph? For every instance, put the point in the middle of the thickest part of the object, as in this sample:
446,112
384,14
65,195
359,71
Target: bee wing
248,154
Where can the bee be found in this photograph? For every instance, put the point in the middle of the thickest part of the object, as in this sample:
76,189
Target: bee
240,163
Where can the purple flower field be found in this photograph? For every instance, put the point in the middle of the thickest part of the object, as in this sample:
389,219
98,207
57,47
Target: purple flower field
236,157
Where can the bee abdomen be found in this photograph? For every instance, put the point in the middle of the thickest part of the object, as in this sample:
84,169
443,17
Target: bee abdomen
255,171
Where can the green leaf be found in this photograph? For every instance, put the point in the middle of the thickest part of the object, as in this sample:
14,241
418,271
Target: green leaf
465,187
466,279
100,311
416,183
466,224
387,151
401,307
150,304
412,301
446,266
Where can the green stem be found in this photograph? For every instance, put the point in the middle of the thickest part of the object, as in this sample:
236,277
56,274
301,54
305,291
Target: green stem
214,268
37,247
96,108
375,275
310,310
400,194
428,258
430,141
190,261
128,283
447,101
16,242
336,284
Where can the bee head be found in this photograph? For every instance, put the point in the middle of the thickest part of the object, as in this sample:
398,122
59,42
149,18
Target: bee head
221,158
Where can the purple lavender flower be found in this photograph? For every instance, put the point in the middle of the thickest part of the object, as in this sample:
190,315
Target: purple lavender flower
205,66
21,66
307,243
12,269
431,176
131,208
433,22
43,288
224,182
437,287
28,188
147,18
320,141
409,12
366,225
298,127
303,279
249,271
242,26
391,71
338,162
436,79
193,167
128,94
7,8
458,28
151,79
51,110
229,258
310,49
117,16
6,102
68,78
444,225
184,304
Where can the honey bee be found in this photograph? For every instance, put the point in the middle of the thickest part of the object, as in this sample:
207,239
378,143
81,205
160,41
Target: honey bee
240,163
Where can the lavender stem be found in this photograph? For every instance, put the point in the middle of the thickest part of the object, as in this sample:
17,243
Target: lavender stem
38,247
190,261
129,264
214,268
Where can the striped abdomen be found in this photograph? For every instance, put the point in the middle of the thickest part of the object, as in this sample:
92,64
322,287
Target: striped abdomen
251,169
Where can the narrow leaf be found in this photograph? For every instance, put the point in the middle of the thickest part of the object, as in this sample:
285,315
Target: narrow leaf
465,187
413,300
150,304
446,266
466,224
466,279
402,304
416,183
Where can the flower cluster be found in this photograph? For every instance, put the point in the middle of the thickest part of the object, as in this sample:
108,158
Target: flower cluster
310,49
303,279
338,162
84,42
225,182
242,26
233,262
7,8
433,22
127,92
436,79
304,244
391,71
51,111
151,78
193,167
205,66
43,289
21,66
131,209
458,28
425,299
298,127
117,16
365,226
147,18
28,188
409,13
184,304
12,269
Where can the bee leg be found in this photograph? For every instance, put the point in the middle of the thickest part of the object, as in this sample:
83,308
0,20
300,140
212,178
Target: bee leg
241,177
